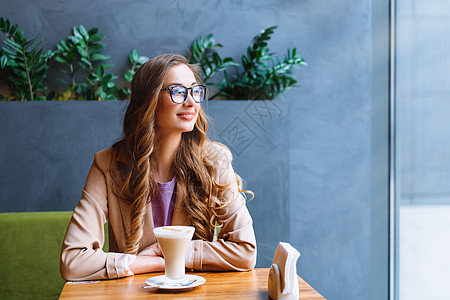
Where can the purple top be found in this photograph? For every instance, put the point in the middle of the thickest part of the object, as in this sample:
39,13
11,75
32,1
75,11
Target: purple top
163,203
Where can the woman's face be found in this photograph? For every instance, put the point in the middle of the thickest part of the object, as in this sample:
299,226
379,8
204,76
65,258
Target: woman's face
177,117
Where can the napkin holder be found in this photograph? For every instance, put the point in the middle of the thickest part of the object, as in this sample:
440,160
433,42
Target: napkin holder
283,281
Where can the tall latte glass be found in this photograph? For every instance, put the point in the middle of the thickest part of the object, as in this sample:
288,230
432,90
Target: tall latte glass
174,241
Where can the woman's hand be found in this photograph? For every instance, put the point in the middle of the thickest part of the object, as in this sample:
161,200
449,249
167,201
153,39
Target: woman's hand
148,260
152,250
147,263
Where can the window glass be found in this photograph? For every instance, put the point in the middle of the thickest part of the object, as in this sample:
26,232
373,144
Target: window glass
422,143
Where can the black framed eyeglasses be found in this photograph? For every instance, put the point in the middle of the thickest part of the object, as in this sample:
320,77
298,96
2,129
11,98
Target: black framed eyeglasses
178,93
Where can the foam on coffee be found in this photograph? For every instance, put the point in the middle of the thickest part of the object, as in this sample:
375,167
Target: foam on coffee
173,231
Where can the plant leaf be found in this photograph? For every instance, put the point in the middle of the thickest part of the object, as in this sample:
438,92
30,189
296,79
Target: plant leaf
128,76
99,57
94,38
3,61
134,57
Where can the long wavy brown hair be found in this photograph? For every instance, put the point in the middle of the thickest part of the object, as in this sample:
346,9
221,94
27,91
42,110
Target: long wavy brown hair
194,166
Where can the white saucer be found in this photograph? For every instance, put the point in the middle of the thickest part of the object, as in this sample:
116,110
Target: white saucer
161,282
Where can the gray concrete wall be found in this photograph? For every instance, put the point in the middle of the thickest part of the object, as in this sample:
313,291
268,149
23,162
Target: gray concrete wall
330,152
312,183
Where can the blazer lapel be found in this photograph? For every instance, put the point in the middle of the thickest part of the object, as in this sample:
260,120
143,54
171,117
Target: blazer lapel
125,208
179,215
148,238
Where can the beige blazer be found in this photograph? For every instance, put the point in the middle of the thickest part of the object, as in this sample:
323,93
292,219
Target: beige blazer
82,257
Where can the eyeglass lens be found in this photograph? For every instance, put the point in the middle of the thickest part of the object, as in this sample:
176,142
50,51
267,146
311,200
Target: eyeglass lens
179,93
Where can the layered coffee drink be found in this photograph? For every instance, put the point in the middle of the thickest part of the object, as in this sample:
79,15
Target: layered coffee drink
174,241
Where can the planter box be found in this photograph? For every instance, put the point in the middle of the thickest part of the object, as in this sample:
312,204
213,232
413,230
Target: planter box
48,147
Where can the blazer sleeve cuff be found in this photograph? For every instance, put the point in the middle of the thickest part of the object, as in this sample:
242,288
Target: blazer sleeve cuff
197,246
118,265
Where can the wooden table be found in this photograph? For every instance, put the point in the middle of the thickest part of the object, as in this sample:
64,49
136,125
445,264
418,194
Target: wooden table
219,285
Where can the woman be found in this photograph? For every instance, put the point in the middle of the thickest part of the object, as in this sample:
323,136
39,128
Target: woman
164,171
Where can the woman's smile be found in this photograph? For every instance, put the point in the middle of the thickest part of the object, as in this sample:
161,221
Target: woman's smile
188,116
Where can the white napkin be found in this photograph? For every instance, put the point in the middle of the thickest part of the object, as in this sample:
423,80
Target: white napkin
283,282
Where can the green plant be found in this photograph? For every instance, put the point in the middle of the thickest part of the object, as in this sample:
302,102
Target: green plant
136,62
82,51
203,52
24,64
261,75
66,54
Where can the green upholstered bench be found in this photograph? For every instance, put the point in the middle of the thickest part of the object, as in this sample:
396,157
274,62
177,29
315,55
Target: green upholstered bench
30,247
